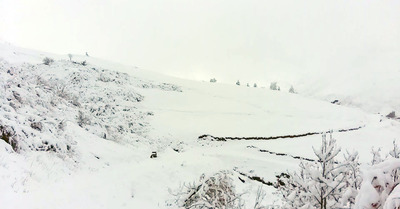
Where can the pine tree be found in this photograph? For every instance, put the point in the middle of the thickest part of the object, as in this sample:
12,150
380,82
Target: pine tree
291,90
319,184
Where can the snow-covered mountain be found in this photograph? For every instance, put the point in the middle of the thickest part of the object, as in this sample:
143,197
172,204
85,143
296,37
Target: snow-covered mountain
80,135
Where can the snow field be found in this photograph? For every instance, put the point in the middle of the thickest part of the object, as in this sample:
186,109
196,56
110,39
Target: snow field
167,115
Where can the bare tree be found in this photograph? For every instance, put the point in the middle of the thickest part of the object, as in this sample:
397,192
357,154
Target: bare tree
259,198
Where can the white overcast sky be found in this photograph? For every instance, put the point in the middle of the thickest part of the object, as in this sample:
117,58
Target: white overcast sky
252,40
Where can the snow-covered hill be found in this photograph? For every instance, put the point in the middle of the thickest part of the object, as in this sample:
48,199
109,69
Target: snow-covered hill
374,91
81,136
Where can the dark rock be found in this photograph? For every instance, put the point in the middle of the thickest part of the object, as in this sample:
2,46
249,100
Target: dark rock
391,115
335,102
153,155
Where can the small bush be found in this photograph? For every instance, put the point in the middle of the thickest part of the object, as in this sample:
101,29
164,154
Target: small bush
213,80
216,191
380,181
37,126
47,60
82,119
274,86
7,134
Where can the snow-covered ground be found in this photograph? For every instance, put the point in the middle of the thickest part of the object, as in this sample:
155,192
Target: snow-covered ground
100,123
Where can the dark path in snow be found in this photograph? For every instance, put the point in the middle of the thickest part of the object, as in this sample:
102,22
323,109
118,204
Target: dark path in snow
216,138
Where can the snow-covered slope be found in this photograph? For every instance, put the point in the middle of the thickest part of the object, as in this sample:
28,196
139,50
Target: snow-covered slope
81,136
374,91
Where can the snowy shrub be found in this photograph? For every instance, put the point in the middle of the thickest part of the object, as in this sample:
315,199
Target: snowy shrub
255,85
379,188
41,106
162,86
323,183
379,183
47,61
395,152
82,119
216,191
248,85
27,110
376,156
7,134
104,78
393,200
213,80
274,86
353,180
37,125
238,82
